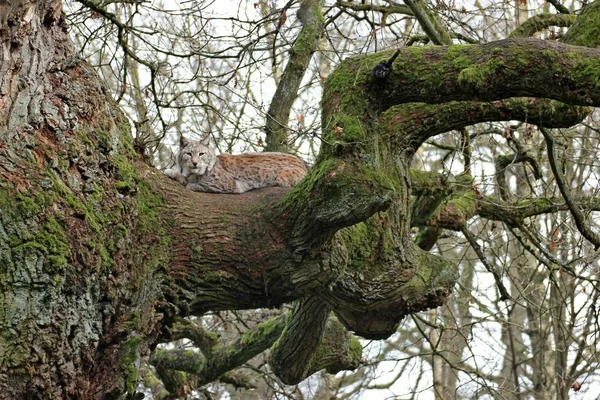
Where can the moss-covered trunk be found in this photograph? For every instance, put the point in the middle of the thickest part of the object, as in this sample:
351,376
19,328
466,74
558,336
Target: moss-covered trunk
80,252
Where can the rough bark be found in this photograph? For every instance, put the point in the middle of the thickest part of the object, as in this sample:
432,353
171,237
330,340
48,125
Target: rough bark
100,254
78,237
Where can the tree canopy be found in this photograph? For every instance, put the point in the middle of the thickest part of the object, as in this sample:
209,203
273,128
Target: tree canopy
104,259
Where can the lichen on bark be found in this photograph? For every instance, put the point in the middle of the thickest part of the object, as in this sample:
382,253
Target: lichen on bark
102,254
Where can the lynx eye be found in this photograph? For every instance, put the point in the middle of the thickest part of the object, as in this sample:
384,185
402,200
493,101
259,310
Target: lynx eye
201,154
188,154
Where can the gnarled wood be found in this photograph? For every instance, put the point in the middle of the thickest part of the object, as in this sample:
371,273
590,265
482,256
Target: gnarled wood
100,253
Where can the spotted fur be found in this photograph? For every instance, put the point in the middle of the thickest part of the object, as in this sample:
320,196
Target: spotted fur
201,170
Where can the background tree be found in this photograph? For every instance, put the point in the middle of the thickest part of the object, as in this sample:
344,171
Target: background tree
103,258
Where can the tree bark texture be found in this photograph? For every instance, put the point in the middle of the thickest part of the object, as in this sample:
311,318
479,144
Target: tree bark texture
100,253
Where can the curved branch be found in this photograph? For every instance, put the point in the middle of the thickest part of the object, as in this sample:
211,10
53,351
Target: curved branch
539,22
416,122
487,72
579,218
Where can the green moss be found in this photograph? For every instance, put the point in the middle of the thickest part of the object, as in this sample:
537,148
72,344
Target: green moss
126,175
477,76
432,273
48,238
355,349
128,362
53,237
361,240
587,72
427,181
263,330
586,29
316,175
83,139
467,204
148,207
461,62
16,203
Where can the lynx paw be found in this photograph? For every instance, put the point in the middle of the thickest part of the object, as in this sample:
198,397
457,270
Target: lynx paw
176,176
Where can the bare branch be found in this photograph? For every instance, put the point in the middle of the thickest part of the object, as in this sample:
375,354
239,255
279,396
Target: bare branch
580,220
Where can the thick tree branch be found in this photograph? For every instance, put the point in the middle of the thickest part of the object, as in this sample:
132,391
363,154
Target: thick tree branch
488,72
103,253
292,354
416,122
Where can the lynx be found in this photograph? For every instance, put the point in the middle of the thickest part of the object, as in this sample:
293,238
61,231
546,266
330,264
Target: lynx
200,169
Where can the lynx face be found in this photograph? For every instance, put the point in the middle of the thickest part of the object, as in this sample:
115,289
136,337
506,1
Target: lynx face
195,157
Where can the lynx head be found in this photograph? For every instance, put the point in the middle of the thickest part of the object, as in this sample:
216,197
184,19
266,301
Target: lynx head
195,157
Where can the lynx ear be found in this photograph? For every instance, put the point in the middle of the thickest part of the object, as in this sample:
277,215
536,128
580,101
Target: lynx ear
183,141
205,140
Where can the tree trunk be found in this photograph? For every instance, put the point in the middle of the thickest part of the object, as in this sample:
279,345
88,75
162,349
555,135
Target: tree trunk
100,254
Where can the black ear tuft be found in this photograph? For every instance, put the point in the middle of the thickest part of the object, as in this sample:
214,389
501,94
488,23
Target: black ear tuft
183,141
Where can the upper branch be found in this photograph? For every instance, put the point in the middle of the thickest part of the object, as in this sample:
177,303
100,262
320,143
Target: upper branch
540,22
488,72
287,89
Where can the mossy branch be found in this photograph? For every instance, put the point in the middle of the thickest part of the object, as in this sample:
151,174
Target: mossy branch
301,53
189,329
539,22
251,343
487,72
214,360
464,202
154,383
